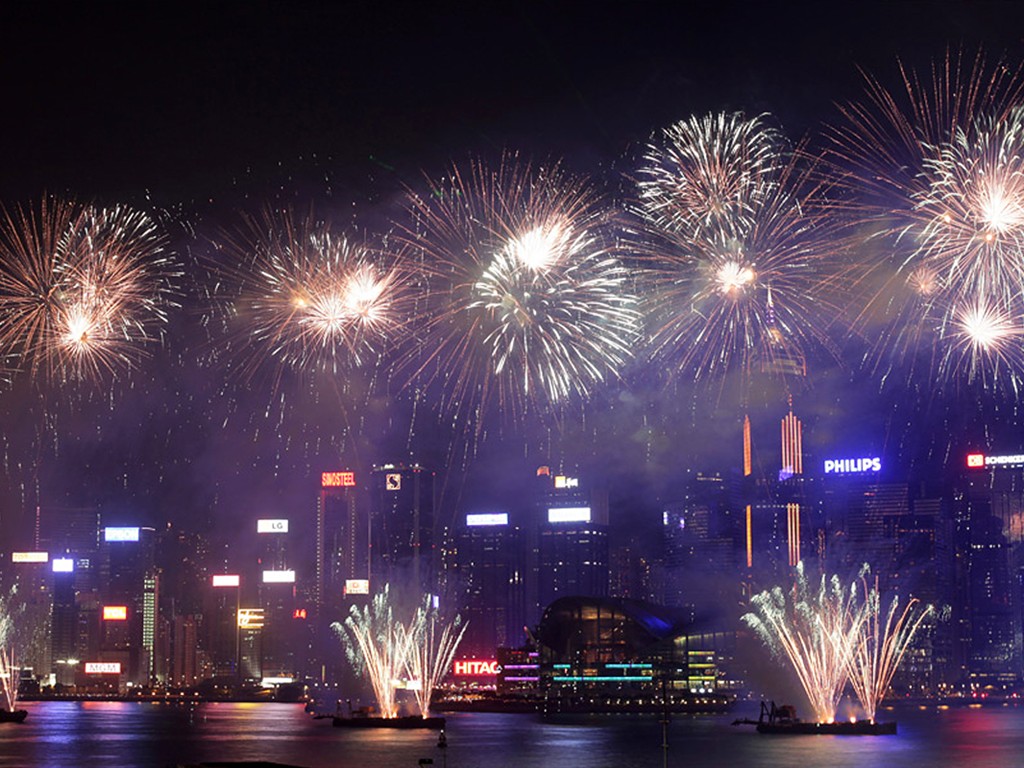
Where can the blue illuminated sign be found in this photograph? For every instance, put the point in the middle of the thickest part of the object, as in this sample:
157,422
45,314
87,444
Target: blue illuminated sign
850,466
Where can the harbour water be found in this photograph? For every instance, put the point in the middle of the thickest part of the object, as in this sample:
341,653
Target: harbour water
76,734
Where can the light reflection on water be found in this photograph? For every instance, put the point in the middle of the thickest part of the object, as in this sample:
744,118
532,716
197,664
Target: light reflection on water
59,734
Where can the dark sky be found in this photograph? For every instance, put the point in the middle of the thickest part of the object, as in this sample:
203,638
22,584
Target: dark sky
184,100
204,109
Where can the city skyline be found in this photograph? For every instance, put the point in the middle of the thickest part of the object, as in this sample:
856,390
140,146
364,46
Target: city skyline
185,439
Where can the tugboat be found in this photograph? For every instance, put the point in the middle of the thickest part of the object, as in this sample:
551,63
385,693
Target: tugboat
783,721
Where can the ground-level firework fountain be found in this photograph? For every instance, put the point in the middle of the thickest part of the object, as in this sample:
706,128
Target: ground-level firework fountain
832,634
8,670
415,655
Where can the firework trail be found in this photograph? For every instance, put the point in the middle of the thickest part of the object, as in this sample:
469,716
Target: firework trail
309,299
932,174
82,290
880,644
377,645
432,647
528,304
739,253
811,628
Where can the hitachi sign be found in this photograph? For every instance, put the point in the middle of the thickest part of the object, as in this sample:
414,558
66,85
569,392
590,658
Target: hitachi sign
846,466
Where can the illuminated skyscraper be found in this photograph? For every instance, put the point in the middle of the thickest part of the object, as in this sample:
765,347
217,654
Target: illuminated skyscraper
572,541
490,573
342,542
792,466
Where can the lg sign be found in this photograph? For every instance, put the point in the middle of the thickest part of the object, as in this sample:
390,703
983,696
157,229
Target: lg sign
847,466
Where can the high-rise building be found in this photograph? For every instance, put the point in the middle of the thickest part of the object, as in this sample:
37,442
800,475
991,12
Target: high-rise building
571,552
342,543
402,527
129,593
990,537
490,573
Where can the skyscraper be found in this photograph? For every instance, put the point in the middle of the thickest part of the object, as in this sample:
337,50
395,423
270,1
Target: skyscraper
402,527
342,541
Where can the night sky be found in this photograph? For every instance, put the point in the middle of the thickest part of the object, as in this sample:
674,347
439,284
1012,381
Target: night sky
199,111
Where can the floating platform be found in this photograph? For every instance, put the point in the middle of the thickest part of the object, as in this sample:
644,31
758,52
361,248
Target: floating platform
408,722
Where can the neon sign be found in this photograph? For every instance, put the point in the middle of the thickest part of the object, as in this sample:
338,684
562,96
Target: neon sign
250,618
357,586
271,526
473,668
30,557
978,460
338,479
120,534
848,466
225,580
569,515
103,667
63,565
488,518
561,481
299,613
279,577
115,613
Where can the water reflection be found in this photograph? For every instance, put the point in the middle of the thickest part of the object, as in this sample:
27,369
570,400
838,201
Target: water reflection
59,734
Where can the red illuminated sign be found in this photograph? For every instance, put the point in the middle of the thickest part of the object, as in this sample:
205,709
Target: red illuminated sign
299,613
115,612
474,668
975,460
338,479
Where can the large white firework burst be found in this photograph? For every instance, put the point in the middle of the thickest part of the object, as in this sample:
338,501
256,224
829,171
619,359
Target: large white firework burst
529,305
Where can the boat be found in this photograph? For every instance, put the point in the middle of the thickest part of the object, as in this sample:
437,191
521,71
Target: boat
407,721
17,716
783,721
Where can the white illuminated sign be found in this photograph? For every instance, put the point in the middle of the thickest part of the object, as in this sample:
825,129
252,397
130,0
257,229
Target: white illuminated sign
561,481
279,577
357,586
569,515
30,557
488,518
120,534
271,526
63,565
849,466
103,667
1004,461
225,580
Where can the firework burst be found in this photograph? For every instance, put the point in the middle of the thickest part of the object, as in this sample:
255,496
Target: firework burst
83,289
528,303
934,177
310,299
710,174
739,253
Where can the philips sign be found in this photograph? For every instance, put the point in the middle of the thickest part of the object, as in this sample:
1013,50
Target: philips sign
850,466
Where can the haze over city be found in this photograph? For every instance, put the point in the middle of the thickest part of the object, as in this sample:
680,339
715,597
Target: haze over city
199,116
